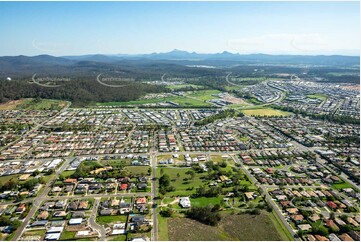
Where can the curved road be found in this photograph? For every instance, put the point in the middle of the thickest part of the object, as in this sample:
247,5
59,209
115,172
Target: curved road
92,221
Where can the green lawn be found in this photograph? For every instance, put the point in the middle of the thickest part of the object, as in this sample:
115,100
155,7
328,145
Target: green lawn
67,174
281,229
204,95
111,219
217,158
204,201
162,228
4,179
339,186
319,96
137,170
118,238
67,235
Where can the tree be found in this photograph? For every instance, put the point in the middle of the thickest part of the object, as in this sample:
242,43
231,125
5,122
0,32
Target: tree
191,174
204,215
36,172
49,172
167,212
164,180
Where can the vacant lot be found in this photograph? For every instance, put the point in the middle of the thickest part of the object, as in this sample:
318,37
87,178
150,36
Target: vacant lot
232,227
10,104
175,87
42,104
180,100
204,95
111,219
265,112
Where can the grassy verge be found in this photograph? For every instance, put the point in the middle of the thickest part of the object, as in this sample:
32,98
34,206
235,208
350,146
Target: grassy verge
163,228
282,230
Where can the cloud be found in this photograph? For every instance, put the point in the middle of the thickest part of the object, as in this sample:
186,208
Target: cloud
280,43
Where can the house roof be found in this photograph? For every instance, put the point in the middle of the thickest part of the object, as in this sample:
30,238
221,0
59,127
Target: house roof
298,217
345,237
141,200
321,238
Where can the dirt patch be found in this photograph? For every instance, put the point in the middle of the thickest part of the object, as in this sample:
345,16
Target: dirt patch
234,100
190,230
10,105
353,88
232,227
250,227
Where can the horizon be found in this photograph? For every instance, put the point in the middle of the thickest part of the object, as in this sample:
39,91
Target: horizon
131,28
189,52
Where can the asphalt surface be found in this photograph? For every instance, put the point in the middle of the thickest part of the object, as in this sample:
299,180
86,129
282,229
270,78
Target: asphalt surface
92,221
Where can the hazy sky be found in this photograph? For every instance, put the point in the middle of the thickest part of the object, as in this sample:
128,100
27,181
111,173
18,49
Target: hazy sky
75,28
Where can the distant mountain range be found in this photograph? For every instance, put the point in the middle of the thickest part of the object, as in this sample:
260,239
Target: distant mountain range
181,55
25,65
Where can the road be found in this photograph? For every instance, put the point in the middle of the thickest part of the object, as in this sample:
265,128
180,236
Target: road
93,223
279,99
154,191
322,162
38,200
268,197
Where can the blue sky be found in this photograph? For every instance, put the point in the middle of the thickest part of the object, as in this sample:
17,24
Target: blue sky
75,28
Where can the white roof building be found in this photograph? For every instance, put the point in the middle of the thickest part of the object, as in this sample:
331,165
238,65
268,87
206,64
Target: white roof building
75,221
184,202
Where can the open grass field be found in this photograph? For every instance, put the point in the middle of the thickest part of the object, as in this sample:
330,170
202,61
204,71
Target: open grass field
265,112
204,95
42,104
181,100
175,87
179,183
232,227
4,179
137,170
319,96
